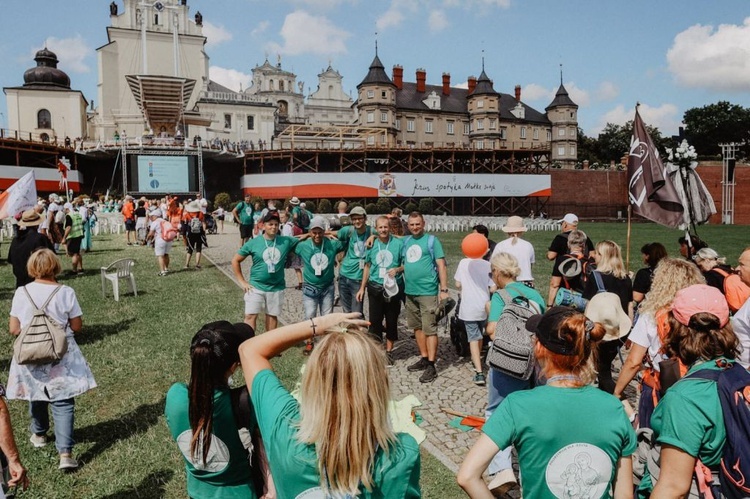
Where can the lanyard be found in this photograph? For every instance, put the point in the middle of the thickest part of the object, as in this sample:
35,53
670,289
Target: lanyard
380,248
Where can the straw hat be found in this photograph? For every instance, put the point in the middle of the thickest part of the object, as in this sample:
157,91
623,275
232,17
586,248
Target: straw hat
294,201
514,224
193,207
30,218
606,309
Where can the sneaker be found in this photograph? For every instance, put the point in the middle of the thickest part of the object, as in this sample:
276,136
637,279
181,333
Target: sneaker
38,441
389,358
419,365
197,267
308,348
162,273
479,379
67,463
429,374
502,483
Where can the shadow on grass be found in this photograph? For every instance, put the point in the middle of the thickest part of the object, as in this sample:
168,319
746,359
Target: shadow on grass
97,332
107,433
152,486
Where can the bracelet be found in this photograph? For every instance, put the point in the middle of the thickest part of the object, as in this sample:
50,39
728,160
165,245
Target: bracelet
312,324
444,290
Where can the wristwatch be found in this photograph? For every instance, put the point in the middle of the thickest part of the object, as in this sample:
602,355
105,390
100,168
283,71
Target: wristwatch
444,290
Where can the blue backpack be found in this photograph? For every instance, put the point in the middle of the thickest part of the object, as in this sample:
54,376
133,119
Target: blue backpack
734,393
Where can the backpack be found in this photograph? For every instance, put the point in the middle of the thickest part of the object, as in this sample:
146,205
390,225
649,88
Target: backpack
303,219
586,267
168,232
735,291
458,334
195,225
43,339
512,350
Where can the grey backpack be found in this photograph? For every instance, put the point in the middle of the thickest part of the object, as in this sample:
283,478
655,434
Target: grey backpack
42,340
512,350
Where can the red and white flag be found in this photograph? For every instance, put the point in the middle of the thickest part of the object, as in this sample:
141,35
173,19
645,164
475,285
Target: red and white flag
19,197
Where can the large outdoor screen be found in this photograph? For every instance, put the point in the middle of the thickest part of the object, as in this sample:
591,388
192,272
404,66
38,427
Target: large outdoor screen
154,174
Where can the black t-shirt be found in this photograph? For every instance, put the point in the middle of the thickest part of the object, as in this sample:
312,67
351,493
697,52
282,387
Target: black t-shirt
576,282
560,244
21,248
643,279
715,279
492,245
140,212
622,287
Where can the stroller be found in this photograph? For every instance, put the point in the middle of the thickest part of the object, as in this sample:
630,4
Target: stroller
210,223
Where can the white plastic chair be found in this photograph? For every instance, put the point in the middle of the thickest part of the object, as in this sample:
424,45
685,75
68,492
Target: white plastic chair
120,269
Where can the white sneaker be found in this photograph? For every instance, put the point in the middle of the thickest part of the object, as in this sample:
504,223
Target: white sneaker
67,463
38,441
502,483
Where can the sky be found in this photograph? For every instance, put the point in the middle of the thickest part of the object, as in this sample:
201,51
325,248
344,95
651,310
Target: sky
669,55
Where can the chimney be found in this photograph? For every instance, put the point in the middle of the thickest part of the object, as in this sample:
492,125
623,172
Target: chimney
398,76
446,83
518,93
472,84
421,79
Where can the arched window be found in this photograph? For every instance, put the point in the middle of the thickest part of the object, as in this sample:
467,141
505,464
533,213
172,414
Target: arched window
43,119
281,85
270,85
283,108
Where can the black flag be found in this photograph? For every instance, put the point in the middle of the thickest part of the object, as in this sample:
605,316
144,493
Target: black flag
650,190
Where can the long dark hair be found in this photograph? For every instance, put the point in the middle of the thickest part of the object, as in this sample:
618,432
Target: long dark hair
211,357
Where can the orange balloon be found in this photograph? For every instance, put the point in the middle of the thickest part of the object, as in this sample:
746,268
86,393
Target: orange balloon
475,245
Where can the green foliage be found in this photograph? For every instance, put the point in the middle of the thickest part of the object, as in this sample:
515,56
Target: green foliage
410,206
721,123
224,200
310,205
425,206
384,206
614,141
371,209
324,206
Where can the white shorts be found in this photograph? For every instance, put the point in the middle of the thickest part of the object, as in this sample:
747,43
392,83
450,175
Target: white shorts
257,301
162,247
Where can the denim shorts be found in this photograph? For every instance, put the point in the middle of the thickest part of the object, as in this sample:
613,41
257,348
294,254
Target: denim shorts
475,330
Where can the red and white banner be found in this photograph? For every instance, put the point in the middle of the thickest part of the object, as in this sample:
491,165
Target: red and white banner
19,197
47,179
371,185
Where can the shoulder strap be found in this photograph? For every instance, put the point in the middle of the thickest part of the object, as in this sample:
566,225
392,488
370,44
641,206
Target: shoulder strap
722,272
406,242
505,296
431,246
599,283
709,374
30,298
51,295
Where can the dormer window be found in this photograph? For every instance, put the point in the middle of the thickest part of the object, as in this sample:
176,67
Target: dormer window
432,101
519,111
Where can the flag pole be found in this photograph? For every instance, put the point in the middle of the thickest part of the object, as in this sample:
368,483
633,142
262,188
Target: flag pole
627,247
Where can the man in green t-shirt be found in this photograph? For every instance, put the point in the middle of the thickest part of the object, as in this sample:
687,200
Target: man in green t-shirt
354,238
264,289
243,215
318,254
425,284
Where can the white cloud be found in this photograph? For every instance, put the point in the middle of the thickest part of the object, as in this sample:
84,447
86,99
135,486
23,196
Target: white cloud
464,84
260,28
664,117
304,33
606,91
324,4
230,78
468,4
579,95
215,33
437,21
391,18
712,59
71,52
535,92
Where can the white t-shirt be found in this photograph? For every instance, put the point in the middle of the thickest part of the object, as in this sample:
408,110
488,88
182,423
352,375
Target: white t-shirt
524,253
204,205
645,334
741,325
287,229
63,306
155,226
84,212
473,274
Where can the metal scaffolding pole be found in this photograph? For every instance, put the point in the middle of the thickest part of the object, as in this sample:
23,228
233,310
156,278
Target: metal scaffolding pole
728,152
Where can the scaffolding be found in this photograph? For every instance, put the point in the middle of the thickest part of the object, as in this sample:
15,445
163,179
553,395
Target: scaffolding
729,160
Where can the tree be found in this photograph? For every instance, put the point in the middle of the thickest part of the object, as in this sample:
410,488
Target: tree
224,200
426,206
371,208
587,147
384,206
708,126
324,206
614,141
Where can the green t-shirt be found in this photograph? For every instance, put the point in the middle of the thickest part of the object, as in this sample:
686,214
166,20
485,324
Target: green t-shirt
245,213
514,289
354,260
318,261
385,256
559,453
420,271
689,417
267,271
294,465
226,474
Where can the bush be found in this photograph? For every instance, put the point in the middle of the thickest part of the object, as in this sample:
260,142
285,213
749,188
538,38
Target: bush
384,206
410,206
324,206
310,205
371,208
224,200
425,206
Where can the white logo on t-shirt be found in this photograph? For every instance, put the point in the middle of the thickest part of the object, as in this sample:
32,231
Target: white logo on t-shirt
383,258
271,255
314,493
319,261
579,471
218,453
414,253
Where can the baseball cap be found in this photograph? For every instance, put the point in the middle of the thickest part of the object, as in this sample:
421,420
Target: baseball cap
570,218
390,286
547,329
358,210
700,298
318,222
272,215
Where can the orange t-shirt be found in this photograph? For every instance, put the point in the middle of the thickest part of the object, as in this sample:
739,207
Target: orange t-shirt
128,210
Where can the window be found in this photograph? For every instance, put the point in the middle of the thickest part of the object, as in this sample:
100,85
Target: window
281,85
467,129
383,117
371,140
523,132
536,134
384,94
383,139
397,123
370,94
409,125
227,121
480,124
493,123
428,126
251,122
370,117
43,119
480,104
449,128
572,151
561,132
549,135
561,151
480,144
502,133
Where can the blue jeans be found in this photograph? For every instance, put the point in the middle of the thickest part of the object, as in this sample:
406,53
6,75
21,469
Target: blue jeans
348,289
500,386
63,414
317,301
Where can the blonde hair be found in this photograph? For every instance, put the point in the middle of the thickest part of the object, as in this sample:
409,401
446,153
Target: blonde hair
507,264
43,264
709,254
670,276
610,259
344,400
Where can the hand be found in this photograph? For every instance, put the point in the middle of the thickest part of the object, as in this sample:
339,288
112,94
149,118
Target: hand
341,319
360,295
18,477
393,272
443,296
246,287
